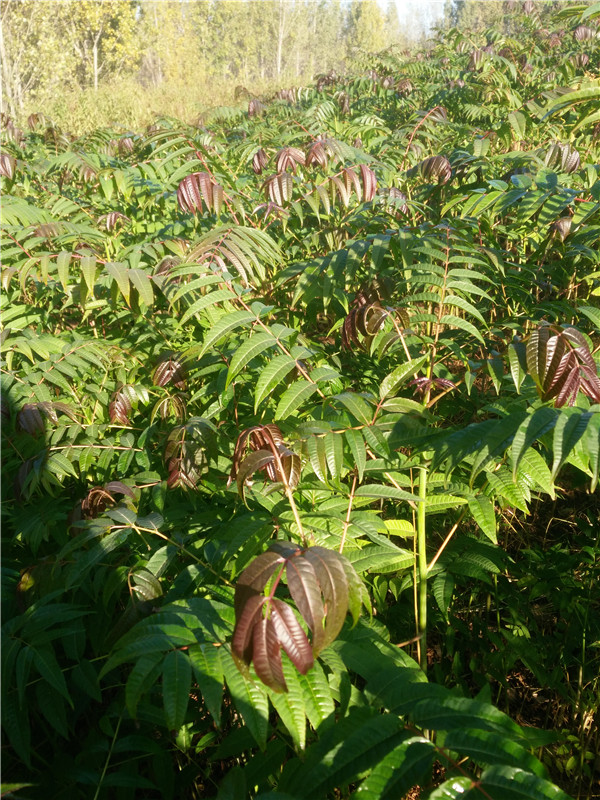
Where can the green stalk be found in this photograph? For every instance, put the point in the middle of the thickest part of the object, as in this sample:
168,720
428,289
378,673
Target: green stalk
422,568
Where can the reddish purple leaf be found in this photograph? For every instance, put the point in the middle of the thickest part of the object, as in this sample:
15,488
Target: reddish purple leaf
567,386
30,420
369,182
254,578
241,643
266,656
119,487
8,164
171,370
334,586
288,158
286,549
304,588
198,188
291,636
590,384
555,363
317,154
259,161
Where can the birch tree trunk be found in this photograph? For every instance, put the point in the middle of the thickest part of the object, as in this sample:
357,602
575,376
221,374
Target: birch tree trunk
280,35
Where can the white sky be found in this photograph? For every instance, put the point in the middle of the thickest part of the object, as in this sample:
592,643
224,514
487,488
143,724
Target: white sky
419,13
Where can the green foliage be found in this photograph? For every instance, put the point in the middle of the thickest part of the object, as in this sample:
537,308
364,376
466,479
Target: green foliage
338,352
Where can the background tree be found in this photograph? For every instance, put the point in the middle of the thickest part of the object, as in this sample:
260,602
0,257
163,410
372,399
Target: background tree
393,30
174,39
34,59
366,31
188,53
103,36
478,15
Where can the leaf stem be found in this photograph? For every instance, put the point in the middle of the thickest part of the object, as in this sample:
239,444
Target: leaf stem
451,533
288,491
108,756
348,513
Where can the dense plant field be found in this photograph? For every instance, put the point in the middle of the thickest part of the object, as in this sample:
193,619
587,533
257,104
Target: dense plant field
301,438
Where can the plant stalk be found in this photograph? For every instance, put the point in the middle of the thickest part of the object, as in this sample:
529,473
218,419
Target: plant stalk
422,568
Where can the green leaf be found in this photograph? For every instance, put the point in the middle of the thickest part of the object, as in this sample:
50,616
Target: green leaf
315,446
85,675
176,685
142,677
9,788
502,484
88,270
570,427
275,371
22,670
293,397
452,789
484,514
460,302
395,379
47,665
357,743
227,324
205,659
199,283
211,299
592,10
290,705
457,713
142,283
517,363
533,471
357,406
407,765
502,782
497,436
357,447
457,322
436,503
518,123
377,491
529,431
250,699
489,747
357,592
585,122
252,347
62,266
317,700
443,589
399,527
151,639
16,724
592,448
59,464
333,447
380,559
53,708
591,313
590,92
